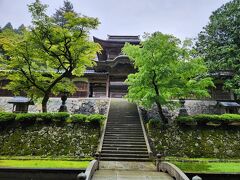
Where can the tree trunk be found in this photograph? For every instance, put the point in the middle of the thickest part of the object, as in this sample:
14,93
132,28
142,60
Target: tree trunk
44,102
160,111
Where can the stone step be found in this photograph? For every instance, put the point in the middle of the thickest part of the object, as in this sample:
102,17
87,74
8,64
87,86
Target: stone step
123,117
120,131
123,136
125,155
126,134
124,145
123,159
123,125
123,122
124,128
123,142
125,148
124,152
123,132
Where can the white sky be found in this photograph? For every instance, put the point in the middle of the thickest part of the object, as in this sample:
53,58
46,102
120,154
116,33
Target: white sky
182,18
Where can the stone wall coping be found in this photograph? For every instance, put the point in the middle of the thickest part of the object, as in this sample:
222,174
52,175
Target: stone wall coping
144,133
172,170
92,167
104,129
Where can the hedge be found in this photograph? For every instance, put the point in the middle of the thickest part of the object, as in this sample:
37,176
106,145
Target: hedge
202,119
94,119
6,117
31,118
78,118
26,118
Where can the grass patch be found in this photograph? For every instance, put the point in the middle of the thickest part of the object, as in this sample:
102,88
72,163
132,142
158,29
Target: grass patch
206,165
61,158
43,164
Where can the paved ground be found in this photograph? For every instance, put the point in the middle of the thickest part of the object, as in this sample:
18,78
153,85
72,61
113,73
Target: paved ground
119,170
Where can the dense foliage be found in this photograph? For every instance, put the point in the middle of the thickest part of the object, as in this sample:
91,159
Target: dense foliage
209,118
167,69
219,42
43,58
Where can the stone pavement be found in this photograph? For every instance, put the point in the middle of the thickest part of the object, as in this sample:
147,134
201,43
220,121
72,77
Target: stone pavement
123,170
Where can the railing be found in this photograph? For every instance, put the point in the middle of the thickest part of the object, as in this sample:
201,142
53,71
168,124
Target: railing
150,153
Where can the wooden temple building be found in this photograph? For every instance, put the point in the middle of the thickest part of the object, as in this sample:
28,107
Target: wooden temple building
108,76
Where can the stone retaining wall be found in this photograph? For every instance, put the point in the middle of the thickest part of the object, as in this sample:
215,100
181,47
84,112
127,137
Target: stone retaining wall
192,106
100,105
74,105
196,141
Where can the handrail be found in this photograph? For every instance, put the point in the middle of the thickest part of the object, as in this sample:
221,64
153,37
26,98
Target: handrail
144,133
172,170
99,149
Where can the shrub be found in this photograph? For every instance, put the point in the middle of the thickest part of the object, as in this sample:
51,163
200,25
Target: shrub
26,118
230,117
60,116
44,117
6,117
78,118
203,119
95,119
185,119
154,123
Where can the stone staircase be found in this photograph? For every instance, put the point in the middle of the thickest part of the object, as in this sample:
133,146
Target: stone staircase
123,139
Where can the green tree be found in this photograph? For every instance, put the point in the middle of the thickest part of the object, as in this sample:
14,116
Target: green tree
59,15
166,71
8,26
219,42
20,29
45,56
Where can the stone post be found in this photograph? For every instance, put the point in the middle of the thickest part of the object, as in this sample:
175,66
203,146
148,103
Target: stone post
158,161
182,110
81,176
196,178
63,107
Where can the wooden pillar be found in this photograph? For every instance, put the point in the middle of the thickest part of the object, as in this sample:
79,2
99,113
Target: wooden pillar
107,86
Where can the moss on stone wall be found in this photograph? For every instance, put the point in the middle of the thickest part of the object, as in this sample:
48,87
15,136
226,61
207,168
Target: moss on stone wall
218,142
72,140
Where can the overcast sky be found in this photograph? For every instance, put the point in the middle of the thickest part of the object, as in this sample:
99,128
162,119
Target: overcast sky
182,18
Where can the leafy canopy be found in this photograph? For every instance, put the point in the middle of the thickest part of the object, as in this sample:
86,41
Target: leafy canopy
166,70
44,57
219,42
